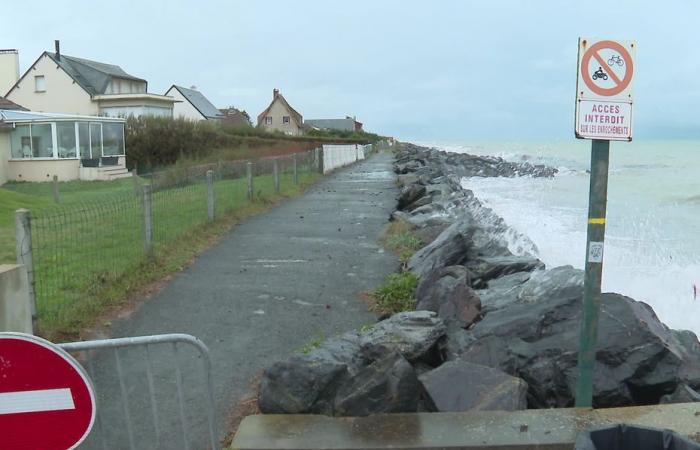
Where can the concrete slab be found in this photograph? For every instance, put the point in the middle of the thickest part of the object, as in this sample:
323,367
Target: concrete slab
551,429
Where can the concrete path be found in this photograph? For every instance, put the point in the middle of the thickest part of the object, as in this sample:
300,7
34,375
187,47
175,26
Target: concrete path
275,283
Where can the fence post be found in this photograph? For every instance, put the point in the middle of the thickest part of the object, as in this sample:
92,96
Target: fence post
147,220
135,179
319,159
56,196
276,175
210,195
249,177
23,239
294,168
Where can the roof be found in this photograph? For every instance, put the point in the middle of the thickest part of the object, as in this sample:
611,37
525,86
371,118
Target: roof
92,76
14,115
199,101
6,104
333,124
293,112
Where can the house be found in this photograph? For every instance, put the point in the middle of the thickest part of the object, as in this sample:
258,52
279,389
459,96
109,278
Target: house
6,104
36,146
58,83
235,116
347,124
192,104
280,116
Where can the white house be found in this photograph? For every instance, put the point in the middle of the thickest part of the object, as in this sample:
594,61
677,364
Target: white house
280,116
192,104
58,83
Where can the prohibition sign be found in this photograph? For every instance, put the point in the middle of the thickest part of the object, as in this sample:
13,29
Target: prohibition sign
593,52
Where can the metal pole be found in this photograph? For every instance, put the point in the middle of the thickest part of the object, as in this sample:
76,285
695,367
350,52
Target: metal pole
276,175
597,203
23,238
56,196
249,176
294,168
210,195
147,220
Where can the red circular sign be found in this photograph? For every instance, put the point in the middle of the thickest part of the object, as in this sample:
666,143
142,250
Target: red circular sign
620,84
46,399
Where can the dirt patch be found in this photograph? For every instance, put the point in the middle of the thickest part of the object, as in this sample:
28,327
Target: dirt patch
246,406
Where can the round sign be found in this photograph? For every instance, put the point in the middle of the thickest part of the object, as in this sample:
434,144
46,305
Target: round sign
614,68
46,399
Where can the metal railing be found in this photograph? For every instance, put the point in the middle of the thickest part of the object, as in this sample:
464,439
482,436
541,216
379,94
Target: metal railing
103,368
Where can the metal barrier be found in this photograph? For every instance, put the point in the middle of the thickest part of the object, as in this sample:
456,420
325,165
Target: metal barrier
106,396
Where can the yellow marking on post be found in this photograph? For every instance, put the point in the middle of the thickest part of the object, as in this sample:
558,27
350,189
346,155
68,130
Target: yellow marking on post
597,221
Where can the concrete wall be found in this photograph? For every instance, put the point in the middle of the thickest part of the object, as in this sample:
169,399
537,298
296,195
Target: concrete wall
62,94
184,108
278,111
43,170
335,156
113,106
9,70
15,306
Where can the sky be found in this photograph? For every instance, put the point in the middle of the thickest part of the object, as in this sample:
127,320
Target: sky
423,70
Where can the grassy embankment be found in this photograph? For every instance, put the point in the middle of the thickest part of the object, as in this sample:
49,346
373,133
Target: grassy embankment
107,268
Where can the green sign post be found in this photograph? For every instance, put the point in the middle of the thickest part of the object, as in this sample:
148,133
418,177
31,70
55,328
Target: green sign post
603,113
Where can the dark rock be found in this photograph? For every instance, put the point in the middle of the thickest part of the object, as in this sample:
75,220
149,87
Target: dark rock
682,394
564,281
423,201
503,291
410,194
388,385
410,166
408,179
457,341
638,358
300,386
446,291
428,233
490,267
416,335
448,249
462,386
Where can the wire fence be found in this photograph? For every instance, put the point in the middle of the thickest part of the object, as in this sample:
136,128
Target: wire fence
79,251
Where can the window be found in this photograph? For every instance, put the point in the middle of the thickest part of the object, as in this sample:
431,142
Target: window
39,83
113,143
95,140
65,132
285,119
84,139
268,120
21,142
42,140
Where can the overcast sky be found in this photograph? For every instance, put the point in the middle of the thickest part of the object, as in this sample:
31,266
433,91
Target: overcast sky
427,70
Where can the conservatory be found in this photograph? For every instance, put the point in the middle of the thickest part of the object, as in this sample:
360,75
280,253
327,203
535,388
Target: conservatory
36,146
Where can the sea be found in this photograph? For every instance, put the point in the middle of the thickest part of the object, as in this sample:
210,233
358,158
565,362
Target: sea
652,240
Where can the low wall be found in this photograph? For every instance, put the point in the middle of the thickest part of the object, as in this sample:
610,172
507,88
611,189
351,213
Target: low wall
43,169
15,307
335,156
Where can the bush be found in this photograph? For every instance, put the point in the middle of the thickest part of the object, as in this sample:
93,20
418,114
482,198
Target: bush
396,294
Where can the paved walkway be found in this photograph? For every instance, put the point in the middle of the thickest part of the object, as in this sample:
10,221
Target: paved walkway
272,285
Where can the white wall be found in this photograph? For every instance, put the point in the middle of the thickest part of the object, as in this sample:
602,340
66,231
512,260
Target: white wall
62,94
335,156
183,108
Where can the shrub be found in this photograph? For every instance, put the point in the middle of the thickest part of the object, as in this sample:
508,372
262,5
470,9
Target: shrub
396,294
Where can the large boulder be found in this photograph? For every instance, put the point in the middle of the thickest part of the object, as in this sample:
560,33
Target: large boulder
503,291
463,386
563,281
448,249
638,359
446,291
388,385
682,394
489,267
416,335
410,194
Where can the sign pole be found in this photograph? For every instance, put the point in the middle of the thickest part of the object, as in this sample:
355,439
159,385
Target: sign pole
597,204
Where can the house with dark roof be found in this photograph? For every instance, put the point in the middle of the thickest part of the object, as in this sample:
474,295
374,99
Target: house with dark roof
58,83
280,116
347,124
192,104
235,116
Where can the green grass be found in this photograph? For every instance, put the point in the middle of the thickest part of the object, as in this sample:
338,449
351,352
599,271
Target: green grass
399,239
89,254
397,294
313,344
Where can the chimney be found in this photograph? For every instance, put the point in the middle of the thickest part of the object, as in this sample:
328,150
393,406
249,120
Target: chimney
9,69
58,49
275,93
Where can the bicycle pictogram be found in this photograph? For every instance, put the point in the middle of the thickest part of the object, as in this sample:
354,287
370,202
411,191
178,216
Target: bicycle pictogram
616,59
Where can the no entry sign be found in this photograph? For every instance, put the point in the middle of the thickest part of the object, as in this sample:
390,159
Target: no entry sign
46,399
604,89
